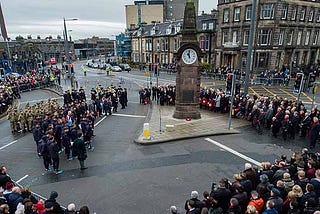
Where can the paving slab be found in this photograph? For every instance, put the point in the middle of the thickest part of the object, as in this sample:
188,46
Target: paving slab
159,117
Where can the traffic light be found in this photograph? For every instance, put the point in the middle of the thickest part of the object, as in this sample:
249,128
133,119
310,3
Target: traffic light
228,84
238,86
298,83
71,68
312,79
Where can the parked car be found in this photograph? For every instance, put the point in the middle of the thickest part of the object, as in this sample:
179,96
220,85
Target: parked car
116,69
95,65
125,67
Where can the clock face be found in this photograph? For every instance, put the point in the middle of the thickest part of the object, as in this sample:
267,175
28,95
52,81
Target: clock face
189,56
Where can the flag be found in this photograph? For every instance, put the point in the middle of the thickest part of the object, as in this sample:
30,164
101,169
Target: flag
3,25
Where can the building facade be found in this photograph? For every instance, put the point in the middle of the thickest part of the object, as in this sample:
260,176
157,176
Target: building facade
159,43
286,34
146,14
155,11
93,47
123,47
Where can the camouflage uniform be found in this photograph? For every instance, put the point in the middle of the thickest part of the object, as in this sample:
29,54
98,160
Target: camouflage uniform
12,117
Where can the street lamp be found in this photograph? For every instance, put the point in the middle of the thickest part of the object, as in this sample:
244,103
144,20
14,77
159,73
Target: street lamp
66,45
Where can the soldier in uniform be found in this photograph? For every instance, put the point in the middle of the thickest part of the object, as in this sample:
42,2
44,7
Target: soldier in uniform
29,117
12,117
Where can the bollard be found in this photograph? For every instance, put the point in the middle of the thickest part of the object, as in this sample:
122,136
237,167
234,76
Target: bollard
146,131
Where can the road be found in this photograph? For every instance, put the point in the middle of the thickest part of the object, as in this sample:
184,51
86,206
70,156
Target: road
124,177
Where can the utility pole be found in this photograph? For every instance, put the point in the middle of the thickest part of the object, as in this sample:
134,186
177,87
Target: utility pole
250,46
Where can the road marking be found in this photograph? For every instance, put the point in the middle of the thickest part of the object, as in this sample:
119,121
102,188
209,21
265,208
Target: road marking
287,93
268,90
234,152
24,177
8,144
254,91
307,96
100,121
129,115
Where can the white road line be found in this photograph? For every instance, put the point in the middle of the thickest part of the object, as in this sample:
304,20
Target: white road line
8,144
100,121
234,152
129,115
24,177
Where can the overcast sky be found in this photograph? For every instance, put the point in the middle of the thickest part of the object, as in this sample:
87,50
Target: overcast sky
103,18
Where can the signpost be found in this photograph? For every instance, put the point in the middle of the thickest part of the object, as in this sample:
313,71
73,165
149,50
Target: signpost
232,98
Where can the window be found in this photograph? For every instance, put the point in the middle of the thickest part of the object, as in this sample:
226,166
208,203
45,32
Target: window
236,14
246,37
211,26
290,37
207,42
306,41
204,26
202,42
311,14
281,35
267,11
224,37
264,37
294,13
226,14
284,11
303,14
299,37
235,37
318,17
158,45
175,44
248,12
315,37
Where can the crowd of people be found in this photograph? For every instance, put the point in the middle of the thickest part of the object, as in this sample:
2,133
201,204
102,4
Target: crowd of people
57,128
289,185
20,200
163,95
12,85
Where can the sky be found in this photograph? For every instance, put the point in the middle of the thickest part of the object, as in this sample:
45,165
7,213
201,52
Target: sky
103,18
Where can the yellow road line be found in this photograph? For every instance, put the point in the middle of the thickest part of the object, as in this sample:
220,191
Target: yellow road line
309,98
254,91
287,93
268,90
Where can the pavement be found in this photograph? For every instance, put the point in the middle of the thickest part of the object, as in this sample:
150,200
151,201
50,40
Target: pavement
164,128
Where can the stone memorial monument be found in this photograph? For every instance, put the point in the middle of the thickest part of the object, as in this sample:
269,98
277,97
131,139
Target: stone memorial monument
188,68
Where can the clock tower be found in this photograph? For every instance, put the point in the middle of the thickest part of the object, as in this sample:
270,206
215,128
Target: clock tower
188,68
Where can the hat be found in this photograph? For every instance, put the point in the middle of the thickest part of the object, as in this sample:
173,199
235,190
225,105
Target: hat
264,178
53,195
275,191
48,204
247,166
9,185
194,194
173,209
72,207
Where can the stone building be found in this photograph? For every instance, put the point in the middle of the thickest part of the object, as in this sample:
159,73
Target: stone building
286,34
158,43
159,11
94,47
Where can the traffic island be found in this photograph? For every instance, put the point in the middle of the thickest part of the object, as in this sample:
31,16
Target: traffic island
164,128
